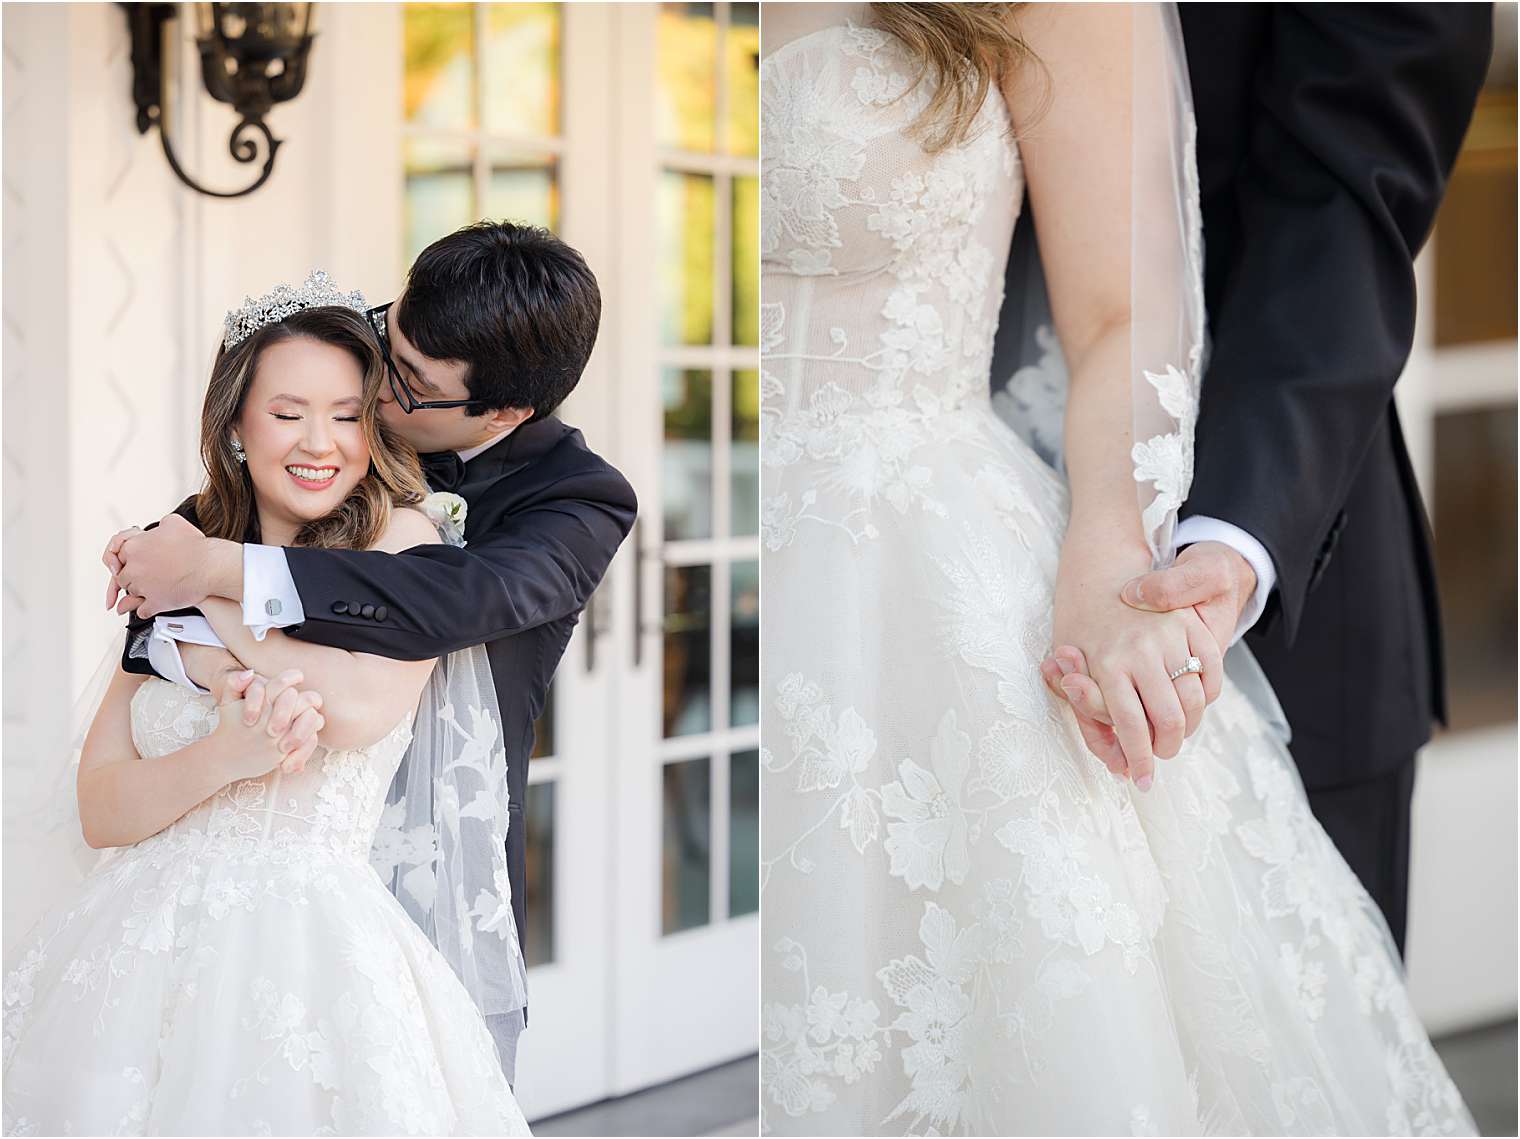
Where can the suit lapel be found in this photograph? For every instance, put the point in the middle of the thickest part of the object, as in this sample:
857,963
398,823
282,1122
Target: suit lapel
514,454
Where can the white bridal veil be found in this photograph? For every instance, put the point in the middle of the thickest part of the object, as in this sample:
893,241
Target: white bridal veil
441,846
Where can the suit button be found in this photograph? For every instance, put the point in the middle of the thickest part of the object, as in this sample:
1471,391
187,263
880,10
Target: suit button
354,607
367,612
340,607
381,612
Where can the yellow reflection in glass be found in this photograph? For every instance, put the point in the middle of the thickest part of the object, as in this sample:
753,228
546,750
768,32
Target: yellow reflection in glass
687,224
742,77
519,80
746,261
439,85
686,83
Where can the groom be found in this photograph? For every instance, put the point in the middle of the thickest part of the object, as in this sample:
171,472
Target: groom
1326,133
490,335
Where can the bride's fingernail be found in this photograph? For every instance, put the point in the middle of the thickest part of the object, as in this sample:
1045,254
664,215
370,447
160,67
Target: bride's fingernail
1144,782
1065,666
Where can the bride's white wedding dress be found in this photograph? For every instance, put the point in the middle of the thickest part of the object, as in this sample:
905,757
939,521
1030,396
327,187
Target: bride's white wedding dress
970,925
245,971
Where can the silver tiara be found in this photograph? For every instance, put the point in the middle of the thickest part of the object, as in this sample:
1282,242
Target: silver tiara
316,291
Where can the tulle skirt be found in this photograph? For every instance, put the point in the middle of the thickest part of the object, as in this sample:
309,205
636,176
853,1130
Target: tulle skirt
179,993
971,925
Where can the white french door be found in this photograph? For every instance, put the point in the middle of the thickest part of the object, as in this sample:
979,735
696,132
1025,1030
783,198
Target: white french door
630,130
686,973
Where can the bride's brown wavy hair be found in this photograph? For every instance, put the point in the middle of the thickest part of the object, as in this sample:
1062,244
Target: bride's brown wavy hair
225,506
962,50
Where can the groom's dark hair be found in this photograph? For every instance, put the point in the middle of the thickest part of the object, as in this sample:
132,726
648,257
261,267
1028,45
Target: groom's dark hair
515,303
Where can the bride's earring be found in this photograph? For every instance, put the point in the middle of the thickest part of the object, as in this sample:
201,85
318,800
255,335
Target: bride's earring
238,452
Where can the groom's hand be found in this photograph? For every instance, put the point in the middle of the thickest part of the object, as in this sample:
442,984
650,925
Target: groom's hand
1211,577
154,571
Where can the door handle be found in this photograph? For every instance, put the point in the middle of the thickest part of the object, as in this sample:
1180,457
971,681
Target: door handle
596,622
638,592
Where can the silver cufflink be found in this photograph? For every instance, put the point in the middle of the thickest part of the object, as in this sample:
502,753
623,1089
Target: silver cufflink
272,607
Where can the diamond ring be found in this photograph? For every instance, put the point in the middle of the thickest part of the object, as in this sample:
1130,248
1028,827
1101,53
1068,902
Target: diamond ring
1192,664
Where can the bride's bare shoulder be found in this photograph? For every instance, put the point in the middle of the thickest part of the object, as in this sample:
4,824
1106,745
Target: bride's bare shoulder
408,527
784,24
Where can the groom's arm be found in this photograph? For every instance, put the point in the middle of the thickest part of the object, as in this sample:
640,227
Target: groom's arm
143,654
1361,111
540,564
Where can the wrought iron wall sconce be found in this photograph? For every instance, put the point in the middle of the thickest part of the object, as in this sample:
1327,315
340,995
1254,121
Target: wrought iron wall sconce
253,56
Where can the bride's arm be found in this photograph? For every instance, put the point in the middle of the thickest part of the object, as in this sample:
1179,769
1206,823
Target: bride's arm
204,662
124,799
1072,112
362,693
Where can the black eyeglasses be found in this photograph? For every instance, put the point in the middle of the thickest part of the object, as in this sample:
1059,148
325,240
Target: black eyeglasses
399,387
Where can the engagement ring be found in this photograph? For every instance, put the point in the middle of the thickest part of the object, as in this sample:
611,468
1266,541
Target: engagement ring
1192,664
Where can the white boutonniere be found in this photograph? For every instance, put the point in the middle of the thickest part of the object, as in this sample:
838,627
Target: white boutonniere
447,512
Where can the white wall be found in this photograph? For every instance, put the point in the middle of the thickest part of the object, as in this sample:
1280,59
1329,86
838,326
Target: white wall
115,281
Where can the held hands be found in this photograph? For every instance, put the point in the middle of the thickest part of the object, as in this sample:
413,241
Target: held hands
1209,576
154,571
1119,640
266,723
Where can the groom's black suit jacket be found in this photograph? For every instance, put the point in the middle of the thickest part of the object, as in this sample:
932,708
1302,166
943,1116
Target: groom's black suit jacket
545,516
1326,133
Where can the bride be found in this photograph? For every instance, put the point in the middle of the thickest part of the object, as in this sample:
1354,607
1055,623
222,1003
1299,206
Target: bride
232,964
971,924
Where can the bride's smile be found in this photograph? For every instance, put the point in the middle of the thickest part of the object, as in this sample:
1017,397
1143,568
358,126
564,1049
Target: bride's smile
317,478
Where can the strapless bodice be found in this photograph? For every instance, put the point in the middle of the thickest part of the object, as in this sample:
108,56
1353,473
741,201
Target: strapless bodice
882,261
332,807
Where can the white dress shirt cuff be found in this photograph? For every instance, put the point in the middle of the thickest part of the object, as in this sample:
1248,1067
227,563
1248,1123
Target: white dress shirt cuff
1202,528
270,600
163,646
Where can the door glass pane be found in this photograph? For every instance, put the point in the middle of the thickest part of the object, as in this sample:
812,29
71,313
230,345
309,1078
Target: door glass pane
440,190
688,650
519,73
439,88
687,478
538,821
685,873
743,79
686,221
744,644
1475,229
522,188
744,833
686,81
746,261
543,729
1475,507
744,455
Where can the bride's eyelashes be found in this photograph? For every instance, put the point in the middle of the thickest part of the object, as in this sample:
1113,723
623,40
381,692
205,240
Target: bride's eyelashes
293,418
